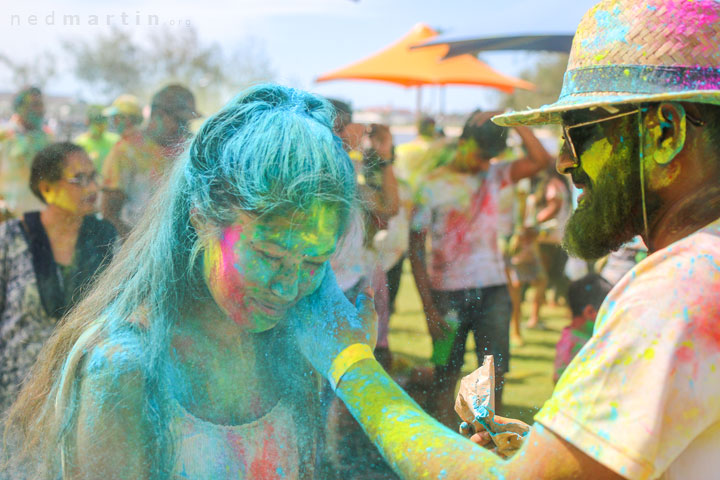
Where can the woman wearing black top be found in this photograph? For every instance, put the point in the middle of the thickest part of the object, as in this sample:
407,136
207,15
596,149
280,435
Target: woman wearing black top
48,257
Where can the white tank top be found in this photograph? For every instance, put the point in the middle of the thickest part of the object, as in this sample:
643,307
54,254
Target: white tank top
265,448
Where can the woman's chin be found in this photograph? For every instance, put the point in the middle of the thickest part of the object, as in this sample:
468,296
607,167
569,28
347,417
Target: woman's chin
261,322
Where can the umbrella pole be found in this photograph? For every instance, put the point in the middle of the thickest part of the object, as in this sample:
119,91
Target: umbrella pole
418,105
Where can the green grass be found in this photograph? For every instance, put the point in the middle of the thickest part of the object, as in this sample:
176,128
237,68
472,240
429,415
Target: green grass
529,382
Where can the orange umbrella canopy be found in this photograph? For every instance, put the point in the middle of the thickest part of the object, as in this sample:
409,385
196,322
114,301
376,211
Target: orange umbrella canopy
424,66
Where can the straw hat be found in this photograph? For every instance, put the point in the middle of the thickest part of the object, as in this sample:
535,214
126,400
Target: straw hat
635,51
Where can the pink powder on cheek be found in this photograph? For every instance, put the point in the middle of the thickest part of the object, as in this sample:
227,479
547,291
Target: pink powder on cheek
226,279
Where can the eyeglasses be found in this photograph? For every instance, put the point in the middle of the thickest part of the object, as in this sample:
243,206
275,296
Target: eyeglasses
84,179
583,133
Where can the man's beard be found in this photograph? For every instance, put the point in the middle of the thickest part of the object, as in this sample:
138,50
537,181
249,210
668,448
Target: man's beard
610,213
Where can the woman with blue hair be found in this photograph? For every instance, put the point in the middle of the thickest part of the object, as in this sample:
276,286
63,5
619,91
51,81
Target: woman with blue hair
181,362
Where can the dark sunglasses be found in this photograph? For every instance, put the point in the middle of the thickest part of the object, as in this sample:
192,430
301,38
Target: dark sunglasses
584,131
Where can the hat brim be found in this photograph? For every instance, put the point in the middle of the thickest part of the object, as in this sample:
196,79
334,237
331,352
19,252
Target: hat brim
552,114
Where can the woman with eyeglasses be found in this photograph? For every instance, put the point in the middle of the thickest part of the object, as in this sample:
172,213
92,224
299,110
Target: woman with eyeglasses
48,257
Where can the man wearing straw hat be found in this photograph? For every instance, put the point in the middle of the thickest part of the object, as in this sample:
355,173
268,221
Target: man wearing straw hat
642,399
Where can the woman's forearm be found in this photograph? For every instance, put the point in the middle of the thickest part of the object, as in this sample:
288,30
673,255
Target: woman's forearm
414,444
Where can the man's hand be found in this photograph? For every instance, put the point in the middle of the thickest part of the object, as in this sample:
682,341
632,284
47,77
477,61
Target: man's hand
503,429
326,322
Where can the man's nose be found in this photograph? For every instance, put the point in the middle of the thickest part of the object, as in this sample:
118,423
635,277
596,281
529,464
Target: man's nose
565,160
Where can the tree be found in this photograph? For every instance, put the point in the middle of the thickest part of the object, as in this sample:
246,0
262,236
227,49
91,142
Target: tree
111,64
35,72
547,75
117,63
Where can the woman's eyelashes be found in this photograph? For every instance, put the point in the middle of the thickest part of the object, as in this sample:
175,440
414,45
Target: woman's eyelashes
270,256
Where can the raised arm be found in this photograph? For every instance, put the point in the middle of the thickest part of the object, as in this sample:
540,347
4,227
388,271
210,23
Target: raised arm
536,160
416,251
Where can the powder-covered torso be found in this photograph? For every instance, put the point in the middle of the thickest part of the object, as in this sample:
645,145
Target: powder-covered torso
266,448
643,395
461,211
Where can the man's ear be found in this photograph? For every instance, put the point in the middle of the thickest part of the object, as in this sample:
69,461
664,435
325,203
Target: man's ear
666,126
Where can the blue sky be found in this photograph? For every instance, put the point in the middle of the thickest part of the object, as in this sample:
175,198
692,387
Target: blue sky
304,38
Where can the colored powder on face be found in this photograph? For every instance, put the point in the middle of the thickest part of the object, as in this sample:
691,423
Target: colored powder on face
59,197
326,225
221,270
593,159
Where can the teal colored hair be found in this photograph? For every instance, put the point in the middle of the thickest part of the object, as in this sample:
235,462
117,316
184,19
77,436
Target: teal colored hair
269,150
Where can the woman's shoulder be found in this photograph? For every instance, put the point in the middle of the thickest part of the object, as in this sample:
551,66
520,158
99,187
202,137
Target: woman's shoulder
13,239
11,228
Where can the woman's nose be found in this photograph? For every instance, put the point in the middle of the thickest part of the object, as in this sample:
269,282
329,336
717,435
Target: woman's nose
285,284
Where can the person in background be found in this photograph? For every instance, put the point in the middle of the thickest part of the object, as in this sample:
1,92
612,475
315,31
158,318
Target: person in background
614,266
379,190
97,140
466,284
135,165
553,205
525,270
392,243
349,453
19,142
412,162
48,258
371,149
585,296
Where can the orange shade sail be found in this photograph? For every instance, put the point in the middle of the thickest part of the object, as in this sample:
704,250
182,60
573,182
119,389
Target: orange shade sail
425,66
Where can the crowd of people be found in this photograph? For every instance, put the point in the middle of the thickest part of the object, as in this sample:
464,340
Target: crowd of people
217,303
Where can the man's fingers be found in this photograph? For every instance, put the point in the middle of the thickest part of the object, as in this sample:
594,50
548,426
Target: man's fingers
481,438
466,429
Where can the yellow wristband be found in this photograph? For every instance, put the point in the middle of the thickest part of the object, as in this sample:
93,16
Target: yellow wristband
346,359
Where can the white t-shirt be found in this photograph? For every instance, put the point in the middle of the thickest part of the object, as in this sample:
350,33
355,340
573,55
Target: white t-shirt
461,212
643,395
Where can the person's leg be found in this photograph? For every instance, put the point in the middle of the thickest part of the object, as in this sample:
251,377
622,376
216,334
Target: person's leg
446,376
546,260
539,286
492,333
561,282
393,282
382,349
515,290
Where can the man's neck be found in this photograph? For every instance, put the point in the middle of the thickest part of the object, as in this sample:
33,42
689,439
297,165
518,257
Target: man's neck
681,218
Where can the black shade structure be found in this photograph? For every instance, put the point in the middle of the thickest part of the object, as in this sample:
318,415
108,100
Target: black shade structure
540,43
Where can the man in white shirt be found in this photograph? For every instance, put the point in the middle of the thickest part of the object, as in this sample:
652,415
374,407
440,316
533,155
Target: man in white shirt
640,110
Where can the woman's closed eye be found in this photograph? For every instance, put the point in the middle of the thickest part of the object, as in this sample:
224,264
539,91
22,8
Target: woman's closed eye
270,255
315,261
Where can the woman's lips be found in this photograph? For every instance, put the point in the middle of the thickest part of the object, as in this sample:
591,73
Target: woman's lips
270,309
